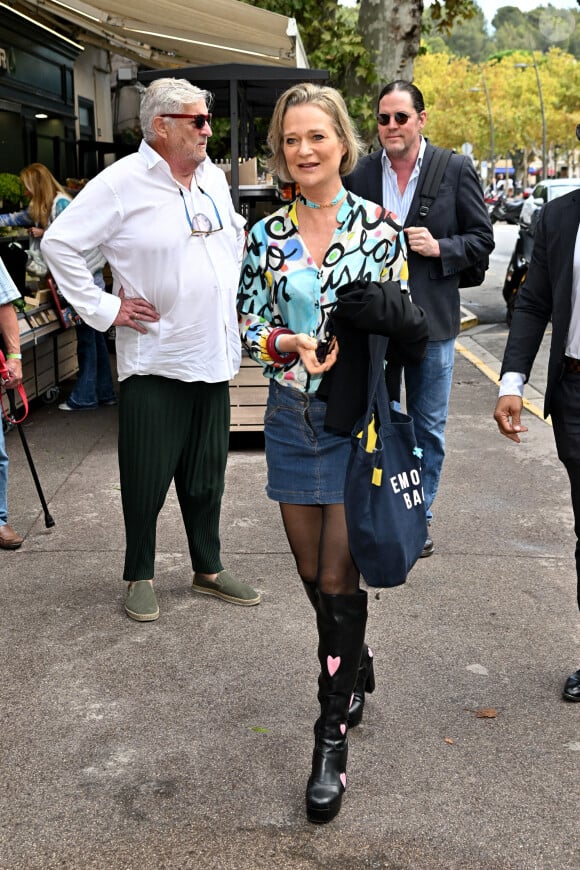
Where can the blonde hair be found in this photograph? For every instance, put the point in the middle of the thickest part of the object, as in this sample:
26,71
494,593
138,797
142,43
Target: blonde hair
43,187
331,102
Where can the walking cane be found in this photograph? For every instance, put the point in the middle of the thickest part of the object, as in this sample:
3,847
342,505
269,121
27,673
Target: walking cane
48,520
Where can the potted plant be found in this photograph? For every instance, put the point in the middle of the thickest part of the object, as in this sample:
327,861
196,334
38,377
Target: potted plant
11,192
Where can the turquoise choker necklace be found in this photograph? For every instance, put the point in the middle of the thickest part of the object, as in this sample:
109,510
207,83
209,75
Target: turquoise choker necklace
309,204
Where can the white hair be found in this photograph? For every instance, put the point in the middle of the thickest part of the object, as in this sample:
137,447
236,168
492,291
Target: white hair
166,95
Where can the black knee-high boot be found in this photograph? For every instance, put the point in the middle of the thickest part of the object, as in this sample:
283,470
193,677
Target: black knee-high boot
365,681
311,590
341,629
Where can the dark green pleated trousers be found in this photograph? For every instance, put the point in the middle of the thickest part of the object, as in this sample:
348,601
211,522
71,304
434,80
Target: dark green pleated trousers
171,430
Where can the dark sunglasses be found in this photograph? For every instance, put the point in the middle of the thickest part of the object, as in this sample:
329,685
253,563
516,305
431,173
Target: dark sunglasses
199,120
400,118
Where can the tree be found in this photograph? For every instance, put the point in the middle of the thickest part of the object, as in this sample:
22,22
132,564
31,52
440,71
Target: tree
465,39
391,30
457,108
362,49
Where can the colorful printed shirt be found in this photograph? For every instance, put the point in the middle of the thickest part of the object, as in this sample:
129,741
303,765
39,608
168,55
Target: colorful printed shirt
281,285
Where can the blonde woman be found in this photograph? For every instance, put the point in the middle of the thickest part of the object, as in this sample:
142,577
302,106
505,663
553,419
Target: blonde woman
328,252
48,199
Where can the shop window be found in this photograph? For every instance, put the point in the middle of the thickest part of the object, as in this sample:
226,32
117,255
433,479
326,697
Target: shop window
86,114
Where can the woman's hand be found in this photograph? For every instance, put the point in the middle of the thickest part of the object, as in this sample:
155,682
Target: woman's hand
36,232
306,346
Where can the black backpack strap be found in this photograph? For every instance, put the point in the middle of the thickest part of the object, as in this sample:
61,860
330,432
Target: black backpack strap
432,179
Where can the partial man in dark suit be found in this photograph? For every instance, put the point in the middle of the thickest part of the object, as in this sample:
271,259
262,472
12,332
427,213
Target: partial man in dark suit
455,234
551,290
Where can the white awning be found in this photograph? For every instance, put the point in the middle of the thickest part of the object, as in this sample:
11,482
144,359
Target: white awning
165,34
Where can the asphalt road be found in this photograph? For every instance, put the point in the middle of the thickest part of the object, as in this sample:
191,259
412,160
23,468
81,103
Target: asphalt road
485,341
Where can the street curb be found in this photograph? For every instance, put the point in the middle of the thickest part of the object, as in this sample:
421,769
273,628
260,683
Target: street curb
468,319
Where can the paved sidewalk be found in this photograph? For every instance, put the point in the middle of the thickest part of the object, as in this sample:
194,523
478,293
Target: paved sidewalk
186,743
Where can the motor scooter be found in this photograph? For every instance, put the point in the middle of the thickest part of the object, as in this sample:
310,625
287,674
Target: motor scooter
505,209
519,263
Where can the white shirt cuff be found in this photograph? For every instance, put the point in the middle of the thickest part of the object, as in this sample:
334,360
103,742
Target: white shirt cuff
512,384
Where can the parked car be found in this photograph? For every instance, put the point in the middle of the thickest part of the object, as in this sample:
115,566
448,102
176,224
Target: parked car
544,192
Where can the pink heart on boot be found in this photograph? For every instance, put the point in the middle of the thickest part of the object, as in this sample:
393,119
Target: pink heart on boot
332,664
343,728
343,779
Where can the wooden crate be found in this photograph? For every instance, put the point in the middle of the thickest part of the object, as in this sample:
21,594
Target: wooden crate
66,354
248,397
45,366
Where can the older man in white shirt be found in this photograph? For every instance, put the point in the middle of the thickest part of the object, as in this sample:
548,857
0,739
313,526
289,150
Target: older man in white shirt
165,221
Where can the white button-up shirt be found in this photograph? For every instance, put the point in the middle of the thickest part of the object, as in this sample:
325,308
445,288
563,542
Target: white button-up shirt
393,200
135,212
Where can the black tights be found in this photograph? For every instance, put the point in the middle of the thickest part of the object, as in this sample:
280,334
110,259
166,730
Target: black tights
319,542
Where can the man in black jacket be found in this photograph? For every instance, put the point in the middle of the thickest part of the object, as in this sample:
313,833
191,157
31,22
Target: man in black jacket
455,234
551,291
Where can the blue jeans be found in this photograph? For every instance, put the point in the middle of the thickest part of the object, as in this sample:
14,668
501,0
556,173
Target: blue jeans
427,388
3,479
94,385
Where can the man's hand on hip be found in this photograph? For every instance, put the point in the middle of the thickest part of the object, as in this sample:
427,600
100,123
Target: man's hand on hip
134,309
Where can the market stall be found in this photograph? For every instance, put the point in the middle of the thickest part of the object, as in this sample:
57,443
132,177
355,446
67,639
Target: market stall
47,341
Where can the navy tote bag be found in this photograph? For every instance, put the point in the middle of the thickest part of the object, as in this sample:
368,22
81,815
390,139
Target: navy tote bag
383,496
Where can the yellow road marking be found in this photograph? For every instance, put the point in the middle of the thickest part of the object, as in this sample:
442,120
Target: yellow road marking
489,373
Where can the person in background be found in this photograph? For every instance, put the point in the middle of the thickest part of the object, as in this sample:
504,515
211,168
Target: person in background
9,538
455,234
48,199
325,252
165,221
551,292
94,383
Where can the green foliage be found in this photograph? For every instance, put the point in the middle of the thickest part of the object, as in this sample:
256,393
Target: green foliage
465,35
449,13
11,188
332,42
457,51
458,111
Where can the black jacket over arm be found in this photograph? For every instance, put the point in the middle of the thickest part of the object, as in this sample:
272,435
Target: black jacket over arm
362,308
458,219
547,293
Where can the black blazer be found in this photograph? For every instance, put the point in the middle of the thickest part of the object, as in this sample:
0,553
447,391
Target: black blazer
547,293
458,219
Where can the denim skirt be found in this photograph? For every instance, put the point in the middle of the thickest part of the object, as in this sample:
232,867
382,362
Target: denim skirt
306,463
